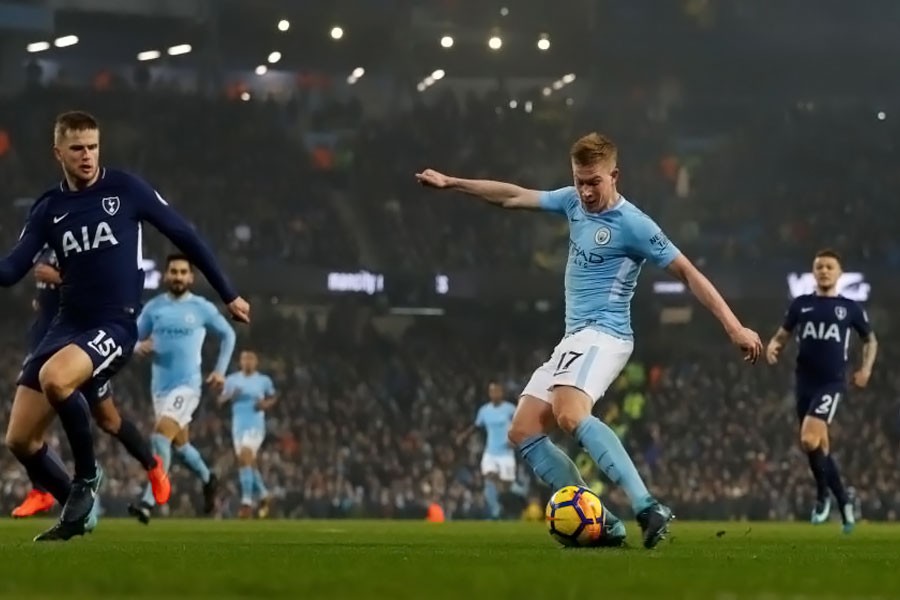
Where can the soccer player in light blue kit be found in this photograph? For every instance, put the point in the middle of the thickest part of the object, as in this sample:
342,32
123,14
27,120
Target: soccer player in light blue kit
609,240
251,394
172,327
498,464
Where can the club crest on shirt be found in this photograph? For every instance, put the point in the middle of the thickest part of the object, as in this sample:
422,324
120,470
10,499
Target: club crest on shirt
110,205
840,312
602,237
190,319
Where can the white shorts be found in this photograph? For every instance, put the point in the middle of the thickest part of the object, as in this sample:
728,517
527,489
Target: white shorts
503,465
248,438
589,360
178,405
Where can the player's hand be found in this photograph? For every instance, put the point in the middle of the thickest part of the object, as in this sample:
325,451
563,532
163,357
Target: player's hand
772,352
216,381
749,343
144,348
861,378
47,274
432,178
240,310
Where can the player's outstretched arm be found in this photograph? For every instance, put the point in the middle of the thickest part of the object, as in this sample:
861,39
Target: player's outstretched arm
869,352
20,260
157,212
745,339
498,193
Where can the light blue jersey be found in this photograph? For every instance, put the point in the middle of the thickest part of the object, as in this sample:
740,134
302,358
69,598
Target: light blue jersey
606,252
178,327
496,420
245,392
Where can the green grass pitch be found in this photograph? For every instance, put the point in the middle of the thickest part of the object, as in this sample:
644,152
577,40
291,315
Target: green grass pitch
418,560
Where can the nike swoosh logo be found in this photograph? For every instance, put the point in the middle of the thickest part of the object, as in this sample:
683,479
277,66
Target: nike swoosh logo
59,218
805,310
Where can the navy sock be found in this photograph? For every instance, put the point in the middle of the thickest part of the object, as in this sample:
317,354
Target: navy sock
47,473
136,445
817,462
834,481
76,421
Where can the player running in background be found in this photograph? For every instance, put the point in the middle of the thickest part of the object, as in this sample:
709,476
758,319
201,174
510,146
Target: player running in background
498,464
251,394
610,239
92,219
823,321
172,327
46,305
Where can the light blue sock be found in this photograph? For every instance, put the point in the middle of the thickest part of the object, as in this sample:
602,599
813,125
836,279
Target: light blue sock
190,456
162,447
550,463
246,479
492,498
258,486
607,450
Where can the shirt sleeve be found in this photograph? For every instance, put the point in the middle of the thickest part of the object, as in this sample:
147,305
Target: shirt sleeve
479,417
270,387
145,322
791,316
217,323
15,265
558,201
860,321
649,242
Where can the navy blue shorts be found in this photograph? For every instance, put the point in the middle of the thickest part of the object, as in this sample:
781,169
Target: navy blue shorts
109,345
820,402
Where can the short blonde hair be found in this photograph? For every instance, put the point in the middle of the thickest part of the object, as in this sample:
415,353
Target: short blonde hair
74,120
592,149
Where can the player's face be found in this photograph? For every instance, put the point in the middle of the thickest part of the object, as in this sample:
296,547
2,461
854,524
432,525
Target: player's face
596,184
495,393
827,271
78,152
179,277
249,362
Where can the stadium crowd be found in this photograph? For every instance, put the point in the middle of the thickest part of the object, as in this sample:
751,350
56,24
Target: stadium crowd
366,423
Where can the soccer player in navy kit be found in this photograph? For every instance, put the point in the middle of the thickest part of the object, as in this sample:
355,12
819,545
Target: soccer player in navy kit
46,305
822,322
92,220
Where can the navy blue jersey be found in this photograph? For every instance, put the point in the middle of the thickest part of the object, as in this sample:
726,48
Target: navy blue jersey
96,235
822,325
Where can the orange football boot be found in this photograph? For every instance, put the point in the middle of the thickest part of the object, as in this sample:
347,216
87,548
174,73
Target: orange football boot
246,512
35,502
159,483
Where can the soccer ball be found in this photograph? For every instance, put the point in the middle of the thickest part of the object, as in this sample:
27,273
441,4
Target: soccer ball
575,516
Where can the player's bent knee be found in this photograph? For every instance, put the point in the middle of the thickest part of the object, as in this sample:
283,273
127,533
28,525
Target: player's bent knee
533,417
570,407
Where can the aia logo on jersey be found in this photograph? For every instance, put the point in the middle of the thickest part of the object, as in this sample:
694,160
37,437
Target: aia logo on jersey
821,331
83,240
110,205
840,312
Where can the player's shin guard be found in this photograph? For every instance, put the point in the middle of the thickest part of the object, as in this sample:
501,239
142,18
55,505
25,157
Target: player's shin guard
492,498
817,464
833,478
45,469
135,444
76,421
192,459
246,479
607,450
550,463
817,467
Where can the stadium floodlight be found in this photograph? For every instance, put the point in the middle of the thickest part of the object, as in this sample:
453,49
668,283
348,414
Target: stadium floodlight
569,78
881,116
245,96
494,43
528,106
504,11
65,41
543,43
179,49
37,46
262,70
558,84
447,41
284,25
358,72
438,74
337,33
546,91
148,55
274,57
421,86
513,104
429,80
